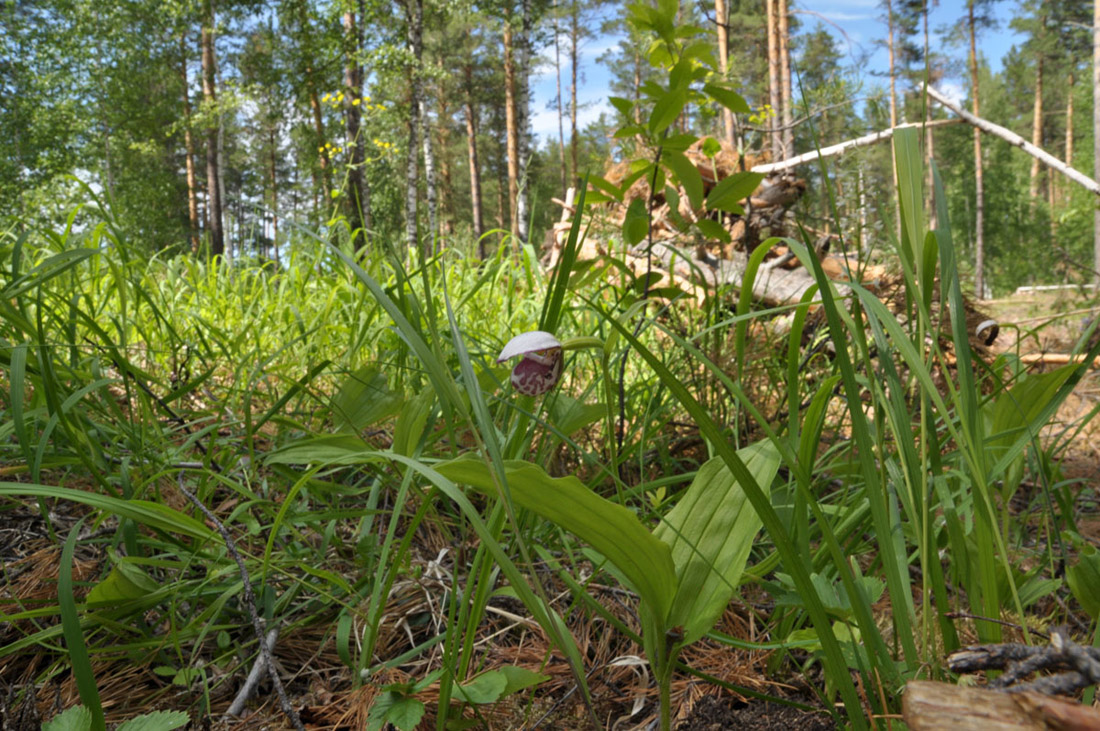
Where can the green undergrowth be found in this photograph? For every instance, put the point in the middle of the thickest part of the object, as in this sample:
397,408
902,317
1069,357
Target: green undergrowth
339,409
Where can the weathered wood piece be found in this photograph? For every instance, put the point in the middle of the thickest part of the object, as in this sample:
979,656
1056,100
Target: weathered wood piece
929,706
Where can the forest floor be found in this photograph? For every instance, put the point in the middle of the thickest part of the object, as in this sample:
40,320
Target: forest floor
622,689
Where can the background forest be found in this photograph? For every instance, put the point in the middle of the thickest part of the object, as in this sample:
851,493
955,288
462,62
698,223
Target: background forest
331,397
222,125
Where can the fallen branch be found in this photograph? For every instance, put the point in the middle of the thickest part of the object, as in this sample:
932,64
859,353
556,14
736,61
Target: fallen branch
842,147
1056,359
1014,139
929,706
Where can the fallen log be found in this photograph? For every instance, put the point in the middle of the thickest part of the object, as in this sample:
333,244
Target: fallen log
1014,139
929,706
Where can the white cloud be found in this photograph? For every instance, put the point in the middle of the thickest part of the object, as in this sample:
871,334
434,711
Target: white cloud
954,91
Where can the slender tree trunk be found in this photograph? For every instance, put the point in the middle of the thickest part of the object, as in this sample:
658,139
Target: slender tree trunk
774,94
510,123
314,107
432,243
210,98
722,20
445,192
574,61
979,190
189,148
274,195
475,170
1036,130
561,101
1071,81
786,97
929,138
893,109
523,97
414,14
358,196
1096,135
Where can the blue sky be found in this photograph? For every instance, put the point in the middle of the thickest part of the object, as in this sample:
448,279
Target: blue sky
856,24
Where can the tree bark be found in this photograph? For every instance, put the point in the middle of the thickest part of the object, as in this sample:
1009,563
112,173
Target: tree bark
1036,131
574,60
414,15
358,190
475,170
189,148
432,243
722,20
315,107
776,144
979,189
445,189
272,141
785,78
1096,134
210,97
510,123
523,96
561,102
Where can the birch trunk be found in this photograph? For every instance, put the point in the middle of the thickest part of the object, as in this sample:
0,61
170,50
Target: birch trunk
523,69
432,244
574,59
560,102
358,198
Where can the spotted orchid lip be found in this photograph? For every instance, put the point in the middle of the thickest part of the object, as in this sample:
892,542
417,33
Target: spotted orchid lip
528,342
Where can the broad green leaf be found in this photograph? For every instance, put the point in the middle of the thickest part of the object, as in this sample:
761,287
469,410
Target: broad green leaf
156,721
711,147
77,718
1084,580
569,415
727,195
713,230
688,175
625,106
126,581
679,142
710,532
520,679
636,222
1013,414
666,109
412,421
731,100
324,450
611,190
611,529
365,399
391,707
485,688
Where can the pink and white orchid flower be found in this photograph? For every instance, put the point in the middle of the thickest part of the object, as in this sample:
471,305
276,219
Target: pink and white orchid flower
539,370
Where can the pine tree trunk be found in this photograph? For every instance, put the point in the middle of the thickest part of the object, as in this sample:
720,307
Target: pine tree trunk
1036,131
523,79
1071,81
979,190
325,182
561,102
510,123
475,169
445,189
722,20
776,144
893,110
210,97
785,79
574,60
414,14
189,148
